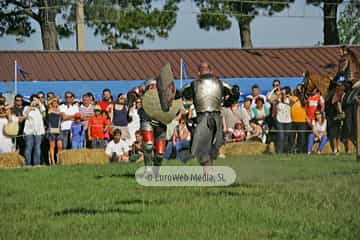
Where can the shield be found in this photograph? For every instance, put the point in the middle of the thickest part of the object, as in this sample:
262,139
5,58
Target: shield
151,105
166,87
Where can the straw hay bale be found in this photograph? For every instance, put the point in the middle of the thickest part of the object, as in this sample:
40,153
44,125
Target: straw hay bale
255,148
83,156
246,148
11,160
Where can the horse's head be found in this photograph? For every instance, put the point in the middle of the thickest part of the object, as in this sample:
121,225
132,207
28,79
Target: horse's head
308,85
314,82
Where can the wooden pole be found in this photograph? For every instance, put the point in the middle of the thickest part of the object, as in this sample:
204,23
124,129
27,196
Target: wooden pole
80,26
358,132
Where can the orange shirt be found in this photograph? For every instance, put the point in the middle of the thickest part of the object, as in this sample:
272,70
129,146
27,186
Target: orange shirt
104,105
97,125
314,103
298,112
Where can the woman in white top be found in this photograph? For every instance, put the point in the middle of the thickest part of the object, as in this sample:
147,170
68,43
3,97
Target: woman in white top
318,132
282,116
134,124
6,117
33,131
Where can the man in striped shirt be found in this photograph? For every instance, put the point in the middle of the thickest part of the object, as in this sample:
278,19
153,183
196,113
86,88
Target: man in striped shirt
86,110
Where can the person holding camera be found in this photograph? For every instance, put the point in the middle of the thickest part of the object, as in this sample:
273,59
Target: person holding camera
282,116
33,130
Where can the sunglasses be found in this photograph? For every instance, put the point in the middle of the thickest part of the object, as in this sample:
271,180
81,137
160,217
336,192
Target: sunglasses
68,96
18,100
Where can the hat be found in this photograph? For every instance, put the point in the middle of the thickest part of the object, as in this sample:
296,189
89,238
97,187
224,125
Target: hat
77,116
97,108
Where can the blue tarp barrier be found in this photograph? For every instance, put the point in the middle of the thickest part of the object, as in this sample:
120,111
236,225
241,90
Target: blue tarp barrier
27,88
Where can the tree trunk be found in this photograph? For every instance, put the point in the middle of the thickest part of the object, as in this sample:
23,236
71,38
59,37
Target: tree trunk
245,31
331,34
47,22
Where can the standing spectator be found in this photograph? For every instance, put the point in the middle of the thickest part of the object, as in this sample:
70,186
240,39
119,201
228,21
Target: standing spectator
18,110
96,129
170,127
77,132
255,94
33,131
44,143
299,122
318,132
181,139
315,102
50,95
6,117
283,121
120,117
134,124
68,111
335,117
41,96
86,110
253,129
260,113
273,95
92,98
246,113
138,103
117,150
231,115
54,122
106,100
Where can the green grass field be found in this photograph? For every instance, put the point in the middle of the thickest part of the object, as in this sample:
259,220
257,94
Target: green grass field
275,197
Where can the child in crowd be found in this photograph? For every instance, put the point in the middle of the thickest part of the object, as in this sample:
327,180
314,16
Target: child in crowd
239,133
137,154
97,126
77,133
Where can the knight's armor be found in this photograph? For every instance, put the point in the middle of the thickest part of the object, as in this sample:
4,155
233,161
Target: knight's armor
153,132
208,94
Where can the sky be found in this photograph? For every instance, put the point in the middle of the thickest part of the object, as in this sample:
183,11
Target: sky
288,28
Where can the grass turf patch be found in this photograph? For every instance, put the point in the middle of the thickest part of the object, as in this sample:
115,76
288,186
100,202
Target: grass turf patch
275,197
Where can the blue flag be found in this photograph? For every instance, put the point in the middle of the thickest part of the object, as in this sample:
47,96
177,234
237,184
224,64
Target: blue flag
184,69
21,70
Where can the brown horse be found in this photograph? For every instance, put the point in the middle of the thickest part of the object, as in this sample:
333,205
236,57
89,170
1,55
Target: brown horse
325,85
313,81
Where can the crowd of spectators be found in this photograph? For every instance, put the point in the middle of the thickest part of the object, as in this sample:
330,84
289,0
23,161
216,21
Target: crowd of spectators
286,118
48,125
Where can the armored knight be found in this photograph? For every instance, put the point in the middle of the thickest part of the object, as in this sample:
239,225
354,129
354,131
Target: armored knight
209,94
161,102
153,118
